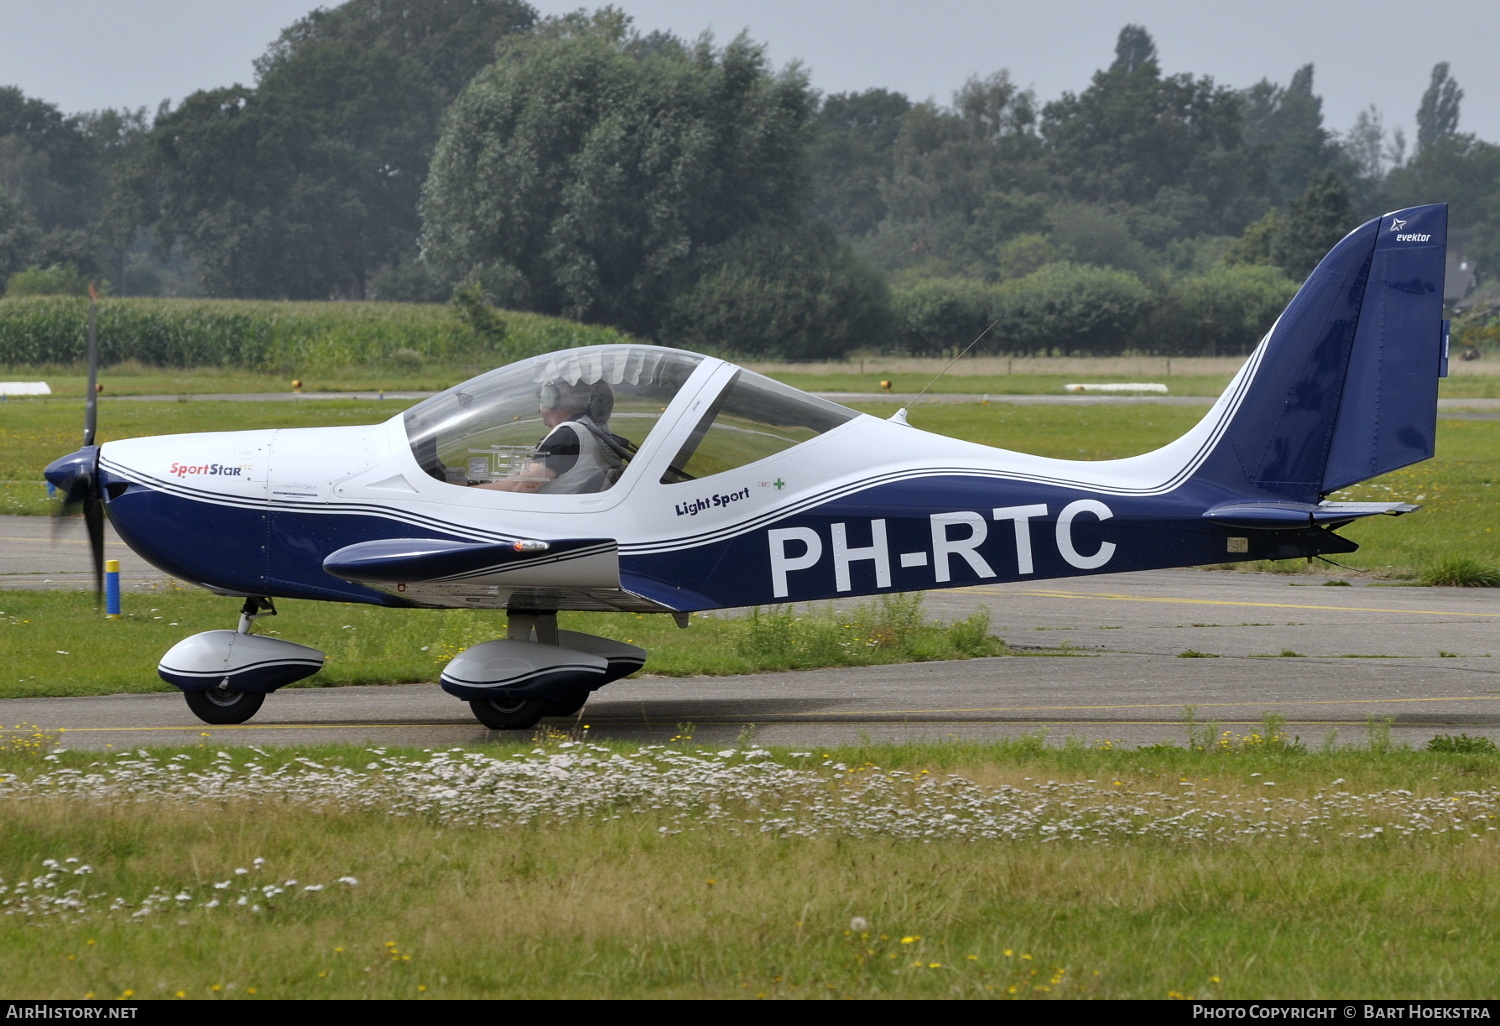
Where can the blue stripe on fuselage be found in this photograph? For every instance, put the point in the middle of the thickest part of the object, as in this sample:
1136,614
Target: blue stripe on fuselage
248,549
954,531
944,531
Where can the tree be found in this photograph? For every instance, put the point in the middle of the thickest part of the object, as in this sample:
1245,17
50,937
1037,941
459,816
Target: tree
1223,312
52,280
57,169
783,294
1464,172
852,154
46,162
1134,48
1255,246
119,140
1316,220
1068,308
1093,235
1287,124
585,171
307,184
1137,137
1437,117
951,166
1023,254
19,236
1365,144
934,315
949,160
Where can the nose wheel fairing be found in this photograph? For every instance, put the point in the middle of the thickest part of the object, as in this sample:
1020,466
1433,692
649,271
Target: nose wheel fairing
237,662
251,663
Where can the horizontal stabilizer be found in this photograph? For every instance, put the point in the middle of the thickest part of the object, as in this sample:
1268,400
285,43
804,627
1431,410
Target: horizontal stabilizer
571,562
1290,516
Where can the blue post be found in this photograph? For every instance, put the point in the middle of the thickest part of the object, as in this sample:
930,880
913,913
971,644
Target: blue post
112,589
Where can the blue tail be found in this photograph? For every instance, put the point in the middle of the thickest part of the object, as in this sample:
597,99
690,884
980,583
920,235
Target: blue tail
1344,387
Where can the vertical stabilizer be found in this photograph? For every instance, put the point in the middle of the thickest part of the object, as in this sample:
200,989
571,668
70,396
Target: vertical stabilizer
1344,386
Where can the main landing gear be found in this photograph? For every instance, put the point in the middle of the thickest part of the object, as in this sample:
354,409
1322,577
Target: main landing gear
536,671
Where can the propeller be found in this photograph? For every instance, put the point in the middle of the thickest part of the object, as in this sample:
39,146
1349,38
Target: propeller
76,476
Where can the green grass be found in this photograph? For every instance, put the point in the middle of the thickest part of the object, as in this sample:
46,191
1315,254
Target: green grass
688,898
1066,432
1470,386
1462,386
135,378
1461,572
906,385
1459,492
54,643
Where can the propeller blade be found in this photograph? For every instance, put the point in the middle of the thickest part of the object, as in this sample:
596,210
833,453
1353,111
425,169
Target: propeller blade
91,400
76,478
80,491
93,519
60,516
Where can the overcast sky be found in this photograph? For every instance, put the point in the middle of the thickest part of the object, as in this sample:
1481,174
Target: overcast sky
87,54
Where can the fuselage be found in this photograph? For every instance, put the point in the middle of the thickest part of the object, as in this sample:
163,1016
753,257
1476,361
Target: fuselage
864,507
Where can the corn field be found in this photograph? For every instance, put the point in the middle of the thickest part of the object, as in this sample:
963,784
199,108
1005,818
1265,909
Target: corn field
272,336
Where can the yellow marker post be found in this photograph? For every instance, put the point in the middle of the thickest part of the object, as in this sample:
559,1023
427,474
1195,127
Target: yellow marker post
112,589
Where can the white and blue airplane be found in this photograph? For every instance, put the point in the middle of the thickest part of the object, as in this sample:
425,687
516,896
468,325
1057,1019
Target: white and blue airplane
670,482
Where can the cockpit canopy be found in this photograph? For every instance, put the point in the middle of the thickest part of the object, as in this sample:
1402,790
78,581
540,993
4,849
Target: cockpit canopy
610,400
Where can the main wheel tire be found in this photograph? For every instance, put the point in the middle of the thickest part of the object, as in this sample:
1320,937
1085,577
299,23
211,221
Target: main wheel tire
568,705
218,706
508,713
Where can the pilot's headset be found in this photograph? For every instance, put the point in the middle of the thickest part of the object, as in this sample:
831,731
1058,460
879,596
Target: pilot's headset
596,399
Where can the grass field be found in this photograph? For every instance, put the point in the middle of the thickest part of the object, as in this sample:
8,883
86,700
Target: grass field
560,868
53,642
999,375
1199,376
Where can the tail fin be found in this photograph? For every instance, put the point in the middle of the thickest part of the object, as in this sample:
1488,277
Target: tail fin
1344,387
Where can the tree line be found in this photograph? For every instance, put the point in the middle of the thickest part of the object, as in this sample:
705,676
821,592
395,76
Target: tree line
690,193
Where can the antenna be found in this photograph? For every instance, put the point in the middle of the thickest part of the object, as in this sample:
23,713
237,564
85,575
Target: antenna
900,415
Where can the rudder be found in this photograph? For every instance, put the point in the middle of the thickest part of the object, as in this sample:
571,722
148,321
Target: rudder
1344,386
1387,418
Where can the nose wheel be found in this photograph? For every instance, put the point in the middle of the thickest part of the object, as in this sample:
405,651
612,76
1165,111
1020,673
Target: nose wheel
221,706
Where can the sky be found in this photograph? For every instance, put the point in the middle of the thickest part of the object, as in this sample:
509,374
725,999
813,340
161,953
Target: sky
87,54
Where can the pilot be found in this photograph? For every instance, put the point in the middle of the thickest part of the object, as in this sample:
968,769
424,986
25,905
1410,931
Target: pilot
578,455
